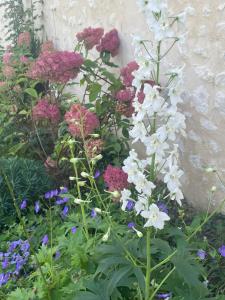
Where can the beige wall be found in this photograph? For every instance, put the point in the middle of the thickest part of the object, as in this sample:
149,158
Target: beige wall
204,56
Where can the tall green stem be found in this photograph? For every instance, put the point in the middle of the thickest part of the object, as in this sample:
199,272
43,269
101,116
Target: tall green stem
148,269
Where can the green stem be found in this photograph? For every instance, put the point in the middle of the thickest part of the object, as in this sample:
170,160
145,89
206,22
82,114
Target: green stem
79,195
148,269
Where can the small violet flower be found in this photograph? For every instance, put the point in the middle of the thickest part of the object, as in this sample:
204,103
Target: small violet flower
37,207
65,211
222,250
130,205
93,213
51,194
201,254
164,296
57,255
45,240
97,174
131,225
162,207
60,201
23,204
74,230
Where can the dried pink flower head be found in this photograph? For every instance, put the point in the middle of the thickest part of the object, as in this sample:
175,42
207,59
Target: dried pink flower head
58,66
115,178
17,88
7,58
24,59
81,121
110,42
94,147
24,39
90,36
127,71
125,95
8,72
47,46
44,110
50,163
125,108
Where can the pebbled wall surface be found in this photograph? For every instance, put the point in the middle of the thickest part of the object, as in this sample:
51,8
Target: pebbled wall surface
204,57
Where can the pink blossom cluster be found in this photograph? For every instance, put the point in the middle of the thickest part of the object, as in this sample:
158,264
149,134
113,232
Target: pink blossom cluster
110,42
125,95
8,72
7,57
44,110
24,39
81,121
58,66
47,47
125,108
90,36
94,147
24,59
115,178
127,71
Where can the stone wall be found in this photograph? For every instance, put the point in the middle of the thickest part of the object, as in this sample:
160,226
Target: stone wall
203,55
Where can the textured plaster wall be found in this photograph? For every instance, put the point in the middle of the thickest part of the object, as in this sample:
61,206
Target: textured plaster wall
203,55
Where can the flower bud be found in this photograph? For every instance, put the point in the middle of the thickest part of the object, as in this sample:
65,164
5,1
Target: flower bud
74,160
213,188
72,178
81,183
106,236
210,170
94,135
84,174
97,158
115,194
139,233
78,201
98,210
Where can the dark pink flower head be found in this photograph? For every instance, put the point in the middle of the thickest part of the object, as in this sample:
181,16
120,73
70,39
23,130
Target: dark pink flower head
7,58
90,36
127,71
94,147
47,47
44,110
125,108
24,59
110,42
125,95
115,178
81,121
58,66
8,71
24,39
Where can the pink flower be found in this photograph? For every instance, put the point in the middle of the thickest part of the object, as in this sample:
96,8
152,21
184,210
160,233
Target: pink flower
3,84
81,121
58,66
125,95
115,178
127,71
125,108
94,147
44,110
24,39
90,36
8,72
110,42
7,58
47,47
24,59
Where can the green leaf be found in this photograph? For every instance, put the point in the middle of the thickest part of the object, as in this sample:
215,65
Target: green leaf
32,92
94,90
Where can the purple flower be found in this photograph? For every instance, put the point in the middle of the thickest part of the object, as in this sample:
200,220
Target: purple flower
163,207
74,230
23,204
37,207
13,245
65,211
131,225
57,255
93,213
45,240
130,205
63,190
201,254
25,246
222,250
97,174
5,263
164,296
4,278
51,194
60,201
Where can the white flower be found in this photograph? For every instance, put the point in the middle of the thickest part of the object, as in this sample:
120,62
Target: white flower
106,236
125,196
141,204
156,218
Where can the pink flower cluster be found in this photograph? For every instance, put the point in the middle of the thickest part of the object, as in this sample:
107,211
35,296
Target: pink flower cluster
7,57
24,59
115,178
24,39
8,72
127,71
90,36
110,42
44,110
58,66
125,95
94,147
125,99
81,121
